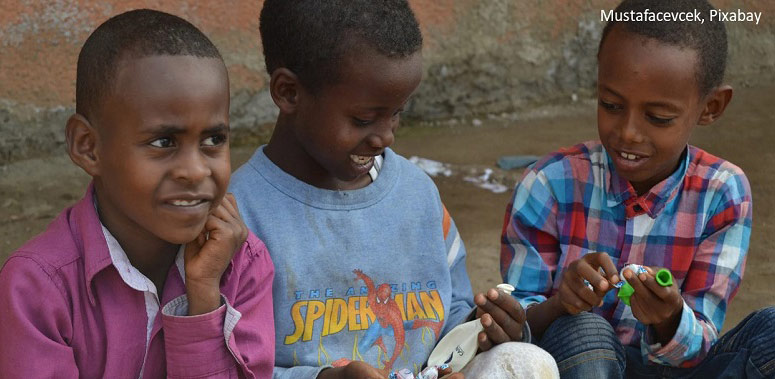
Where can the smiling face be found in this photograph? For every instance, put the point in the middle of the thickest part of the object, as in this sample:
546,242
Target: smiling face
648,104
334,133
162,149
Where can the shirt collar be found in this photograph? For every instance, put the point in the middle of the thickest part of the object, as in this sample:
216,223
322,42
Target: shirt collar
101,249
619,190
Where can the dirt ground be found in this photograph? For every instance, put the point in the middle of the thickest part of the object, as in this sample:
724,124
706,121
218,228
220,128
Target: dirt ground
33,192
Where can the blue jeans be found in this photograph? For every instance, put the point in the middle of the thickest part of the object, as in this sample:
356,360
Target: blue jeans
584,346
593,351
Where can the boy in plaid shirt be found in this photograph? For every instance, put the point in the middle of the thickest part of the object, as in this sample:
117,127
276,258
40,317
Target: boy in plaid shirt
641,195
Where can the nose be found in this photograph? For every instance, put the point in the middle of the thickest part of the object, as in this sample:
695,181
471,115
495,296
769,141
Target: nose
383,134
630,131
191,166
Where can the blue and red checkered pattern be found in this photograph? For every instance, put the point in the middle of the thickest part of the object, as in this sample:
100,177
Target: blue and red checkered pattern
696,223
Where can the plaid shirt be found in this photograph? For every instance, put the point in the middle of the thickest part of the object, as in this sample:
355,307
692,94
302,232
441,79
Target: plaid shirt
696,222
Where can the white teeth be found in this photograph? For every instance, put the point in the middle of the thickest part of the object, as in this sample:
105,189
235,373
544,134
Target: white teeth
631,157
186,203
361,159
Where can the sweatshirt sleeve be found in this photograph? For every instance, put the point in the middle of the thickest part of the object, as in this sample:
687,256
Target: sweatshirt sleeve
35,323
462,294
234,340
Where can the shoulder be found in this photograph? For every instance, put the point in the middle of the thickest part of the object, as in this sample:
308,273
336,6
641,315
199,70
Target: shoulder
567,160
254,256
414,184
51,250
710,174
247,175
574,164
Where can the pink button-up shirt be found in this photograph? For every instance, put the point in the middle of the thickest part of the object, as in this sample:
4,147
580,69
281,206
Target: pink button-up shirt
65,311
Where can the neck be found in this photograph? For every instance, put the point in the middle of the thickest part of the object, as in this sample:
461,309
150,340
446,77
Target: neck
149,254
286,152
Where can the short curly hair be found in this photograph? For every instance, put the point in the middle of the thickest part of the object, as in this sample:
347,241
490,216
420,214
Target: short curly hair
133,34
708,38
310,37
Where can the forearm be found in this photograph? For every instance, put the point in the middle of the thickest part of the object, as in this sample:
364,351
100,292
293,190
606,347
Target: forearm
542,315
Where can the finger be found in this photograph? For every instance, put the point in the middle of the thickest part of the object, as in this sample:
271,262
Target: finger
637,284
609,268
582,291
571,309
495,333
569,298
663,293
507,303
649,302
223,213
637,308
504,311
231,205
592,275
483,342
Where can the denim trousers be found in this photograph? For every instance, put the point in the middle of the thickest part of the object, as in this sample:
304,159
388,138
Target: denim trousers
585,346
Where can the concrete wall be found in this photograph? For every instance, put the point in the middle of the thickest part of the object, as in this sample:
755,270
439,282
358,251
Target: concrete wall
481,57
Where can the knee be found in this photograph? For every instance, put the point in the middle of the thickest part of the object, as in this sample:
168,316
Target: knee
584,332
760,323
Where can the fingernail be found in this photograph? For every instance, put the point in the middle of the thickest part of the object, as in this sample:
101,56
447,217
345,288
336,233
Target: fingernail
492,294
642,277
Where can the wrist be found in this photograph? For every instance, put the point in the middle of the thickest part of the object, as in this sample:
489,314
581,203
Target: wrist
665,330
555,305
202,297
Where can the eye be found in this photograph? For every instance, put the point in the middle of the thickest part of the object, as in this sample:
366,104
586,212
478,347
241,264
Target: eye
162,142
660,120
361,122
610,106
398,112
214,140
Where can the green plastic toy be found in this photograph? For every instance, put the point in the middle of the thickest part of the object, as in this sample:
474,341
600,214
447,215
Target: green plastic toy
664,278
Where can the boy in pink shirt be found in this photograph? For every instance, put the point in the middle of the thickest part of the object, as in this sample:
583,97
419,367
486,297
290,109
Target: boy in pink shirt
153,272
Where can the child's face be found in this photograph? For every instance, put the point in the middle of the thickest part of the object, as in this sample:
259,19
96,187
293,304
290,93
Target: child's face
163,152
344,125
648,104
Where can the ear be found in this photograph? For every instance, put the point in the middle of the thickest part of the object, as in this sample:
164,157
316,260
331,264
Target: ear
715,104
284,87
81,138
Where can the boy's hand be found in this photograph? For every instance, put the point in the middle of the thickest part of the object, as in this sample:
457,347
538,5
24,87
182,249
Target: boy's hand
207,257
574,294
655,305
501,316
354,370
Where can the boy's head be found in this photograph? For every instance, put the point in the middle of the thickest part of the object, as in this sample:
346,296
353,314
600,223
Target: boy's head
341,72
151,126
656,81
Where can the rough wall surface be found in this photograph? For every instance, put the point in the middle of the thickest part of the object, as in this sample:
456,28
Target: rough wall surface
481,57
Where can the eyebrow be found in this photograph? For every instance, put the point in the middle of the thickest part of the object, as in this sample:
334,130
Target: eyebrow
380,108
658,104
177,129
